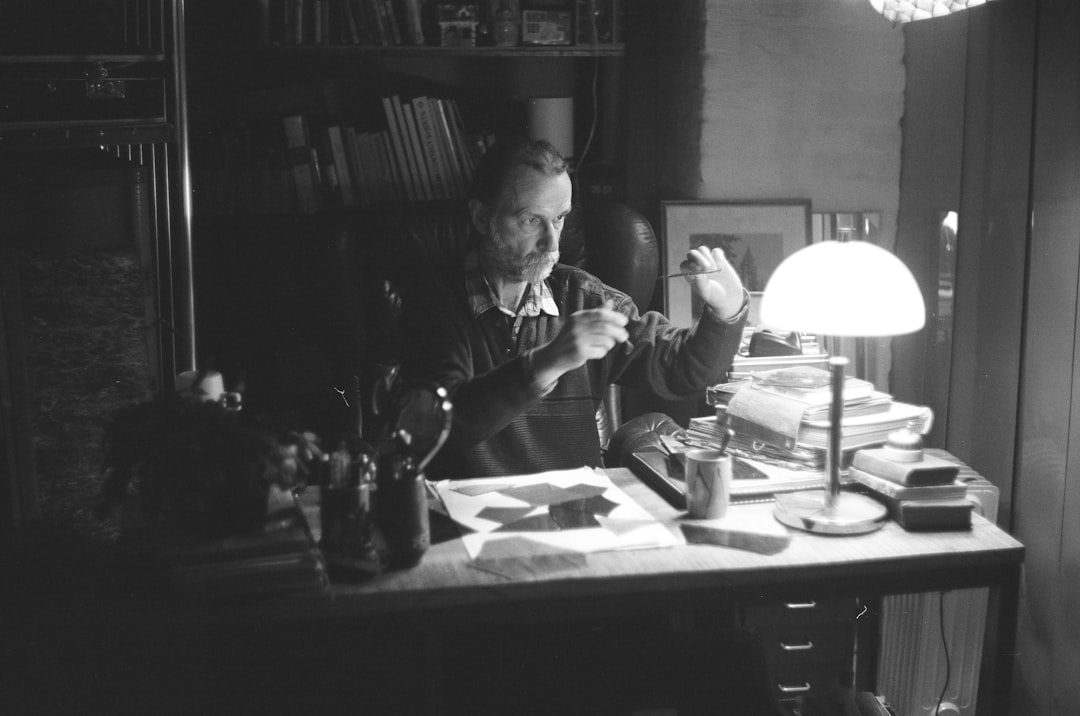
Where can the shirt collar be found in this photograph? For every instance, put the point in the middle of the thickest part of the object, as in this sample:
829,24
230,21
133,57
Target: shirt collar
538,297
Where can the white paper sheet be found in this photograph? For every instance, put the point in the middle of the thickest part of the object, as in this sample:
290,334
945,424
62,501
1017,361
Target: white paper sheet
577,510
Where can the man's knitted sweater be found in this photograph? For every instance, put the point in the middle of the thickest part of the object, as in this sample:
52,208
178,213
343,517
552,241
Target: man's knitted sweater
504,423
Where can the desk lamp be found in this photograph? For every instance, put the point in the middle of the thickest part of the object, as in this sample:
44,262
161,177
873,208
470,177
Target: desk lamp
839,288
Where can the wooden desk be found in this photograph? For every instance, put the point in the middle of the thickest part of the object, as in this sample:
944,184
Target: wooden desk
442,589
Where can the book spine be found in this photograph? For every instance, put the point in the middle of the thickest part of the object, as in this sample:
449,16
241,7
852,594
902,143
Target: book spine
300,162
437,163
458,174
392,173
418,159
387,9
341,165
414,22
401,162
358,166
461,137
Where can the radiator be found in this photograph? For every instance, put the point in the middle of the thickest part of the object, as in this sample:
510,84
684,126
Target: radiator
911,661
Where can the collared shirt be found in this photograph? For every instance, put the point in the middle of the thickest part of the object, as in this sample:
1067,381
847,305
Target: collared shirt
482,298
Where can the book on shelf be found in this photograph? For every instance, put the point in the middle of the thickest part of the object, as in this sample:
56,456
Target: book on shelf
430,141
341,165
459,177
417,155
402,165
391,182
929,470
351,23
896,491
413,20
390,22
302,163
423,159
357,166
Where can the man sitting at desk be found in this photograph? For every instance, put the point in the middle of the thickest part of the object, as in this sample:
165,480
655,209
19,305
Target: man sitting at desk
526,345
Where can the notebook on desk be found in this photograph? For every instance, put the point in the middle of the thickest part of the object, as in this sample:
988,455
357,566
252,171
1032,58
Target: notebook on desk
751,481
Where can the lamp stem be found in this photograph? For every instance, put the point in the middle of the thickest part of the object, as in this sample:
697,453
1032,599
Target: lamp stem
833,454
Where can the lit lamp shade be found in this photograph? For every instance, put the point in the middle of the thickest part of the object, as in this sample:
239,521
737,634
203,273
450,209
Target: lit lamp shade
843,288
909,10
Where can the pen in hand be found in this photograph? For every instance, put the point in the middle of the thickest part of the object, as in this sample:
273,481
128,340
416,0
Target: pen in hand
680,274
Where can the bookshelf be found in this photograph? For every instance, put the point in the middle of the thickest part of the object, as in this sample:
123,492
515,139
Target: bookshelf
111,76
350,147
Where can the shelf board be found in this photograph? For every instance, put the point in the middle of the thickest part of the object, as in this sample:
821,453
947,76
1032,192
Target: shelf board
17,136
427,51
89,58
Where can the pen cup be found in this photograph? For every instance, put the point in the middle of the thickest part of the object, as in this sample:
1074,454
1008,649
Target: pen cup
708,484
347,522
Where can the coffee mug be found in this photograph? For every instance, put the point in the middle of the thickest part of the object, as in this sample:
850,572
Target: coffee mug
708,483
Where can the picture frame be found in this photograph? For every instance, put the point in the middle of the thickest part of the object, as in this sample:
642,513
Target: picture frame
755,235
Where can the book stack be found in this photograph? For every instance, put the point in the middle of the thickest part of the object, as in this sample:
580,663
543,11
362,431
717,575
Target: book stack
783,415
921,495
789,407
280,559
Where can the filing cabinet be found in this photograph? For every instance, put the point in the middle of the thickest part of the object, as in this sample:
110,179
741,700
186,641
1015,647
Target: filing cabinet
808,643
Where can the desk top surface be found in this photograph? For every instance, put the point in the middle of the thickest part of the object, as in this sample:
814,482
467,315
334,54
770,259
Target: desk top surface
890,560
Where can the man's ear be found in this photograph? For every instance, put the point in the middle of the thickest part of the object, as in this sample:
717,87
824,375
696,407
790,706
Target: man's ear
480,216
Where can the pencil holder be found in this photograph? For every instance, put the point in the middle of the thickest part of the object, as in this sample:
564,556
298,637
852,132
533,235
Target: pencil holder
348,532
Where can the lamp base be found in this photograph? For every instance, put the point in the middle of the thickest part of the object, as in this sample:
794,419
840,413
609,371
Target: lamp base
850,514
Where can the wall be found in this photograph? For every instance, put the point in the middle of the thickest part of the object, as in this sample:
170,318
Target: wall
804,99
1046,494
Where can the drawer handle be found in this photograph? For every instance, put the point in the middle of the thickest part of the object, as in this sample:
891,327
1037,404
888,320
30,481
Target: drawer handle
801,605
803,646
800,689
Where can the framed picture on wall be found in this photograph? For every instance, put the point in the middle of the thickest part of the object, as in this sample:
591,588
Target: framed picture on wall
755,236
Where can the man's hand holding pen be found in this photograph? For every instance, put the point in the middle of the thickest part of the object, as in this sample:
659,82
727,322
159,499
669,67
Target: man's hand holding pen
714,279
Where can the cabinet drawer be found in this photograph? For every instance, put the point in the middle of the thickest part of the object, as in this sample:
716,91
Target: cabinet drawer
799,643
801,611
790,681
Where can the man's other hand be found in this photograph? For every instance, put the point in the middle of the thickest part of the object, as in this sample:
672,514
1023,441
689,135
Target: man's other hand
586,335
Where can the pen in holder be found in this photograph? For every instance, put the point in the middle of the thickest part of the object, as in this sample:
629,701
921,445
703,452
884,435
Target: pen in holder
348,527
708,481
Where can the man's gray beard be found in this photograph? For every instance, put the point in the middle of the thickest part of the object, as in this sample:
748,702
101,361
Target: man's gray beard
533,268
